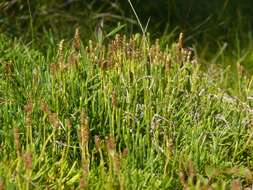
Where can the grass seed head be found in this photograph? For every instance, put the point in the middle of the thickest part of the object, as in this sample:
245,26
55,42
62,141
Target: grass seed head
182,178
117,38
111,145
28,108
157,45
85,135
83,183
1,184
68,124
61,53
84,127
72,59
240,69
90,46
44,107
77,40
114,99
181,41
27,158
235,185
97,142
169,145
189,55
114,156
16,140
125,152
116,162
105,64
167,61
192,172
61,48
8,68
54,68
53,119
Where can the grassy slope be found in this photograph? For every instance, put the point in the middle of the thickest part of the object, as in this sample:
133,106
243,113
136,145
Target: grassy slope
126,116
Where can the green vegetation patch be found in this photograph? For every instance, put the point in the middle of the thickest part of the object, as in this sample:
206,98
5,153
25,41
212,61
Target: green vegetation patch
126,115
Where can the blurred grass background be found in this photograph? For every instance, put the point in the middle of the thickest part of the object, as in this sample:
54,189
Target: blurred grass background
219,27
201,20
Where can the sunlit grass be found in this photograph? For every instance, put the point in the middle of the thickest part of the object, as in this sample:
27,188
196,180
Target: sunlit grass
125,114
